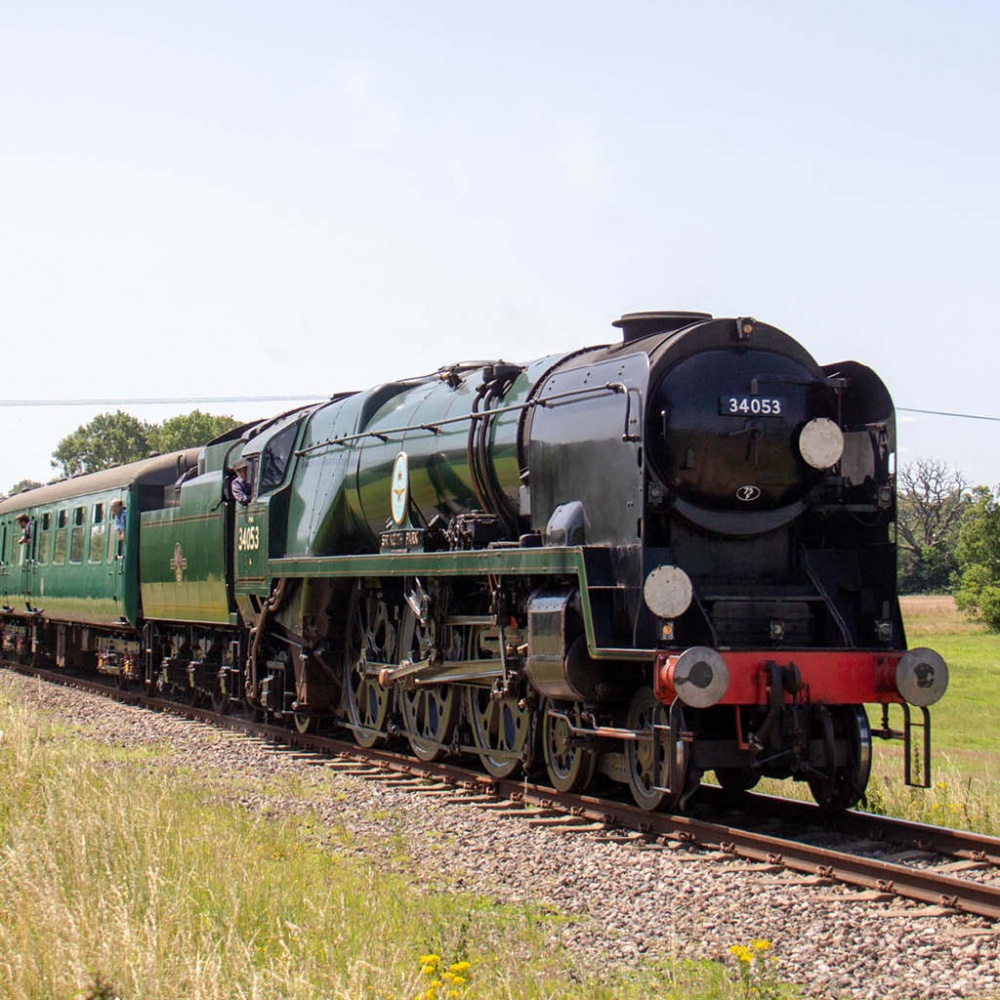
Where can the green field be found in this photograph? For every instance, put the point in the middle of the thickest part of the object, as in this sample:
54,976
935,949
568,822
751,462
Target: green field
966,744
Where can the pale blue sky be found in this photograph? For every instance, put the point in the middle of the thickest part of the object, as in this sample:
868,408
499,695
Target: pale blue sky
216,199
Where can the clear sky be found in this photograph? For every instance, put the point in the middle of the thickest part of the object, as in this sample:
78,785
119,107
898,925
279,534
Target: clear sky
249,199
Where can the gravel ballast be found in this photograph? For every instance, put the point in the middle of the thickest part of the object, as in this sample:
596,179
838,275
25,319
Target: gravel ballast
623,900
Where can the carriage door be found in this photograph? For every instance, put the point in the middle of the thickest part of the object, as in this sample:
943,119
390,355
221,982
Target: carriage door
116,561
26,556
5,563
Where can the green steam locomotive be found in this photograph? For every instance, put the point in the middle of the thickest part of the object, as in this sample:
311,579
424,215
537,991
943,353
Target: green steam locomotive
663,556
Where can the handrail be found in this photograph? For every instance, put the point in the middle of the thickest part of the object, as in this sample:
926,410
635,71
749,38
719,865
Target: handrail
433,426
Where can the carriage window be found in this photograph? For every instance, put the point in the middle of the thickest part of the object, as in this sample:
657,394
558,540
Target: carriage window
44,538
59,549
77,535
274,459
97,529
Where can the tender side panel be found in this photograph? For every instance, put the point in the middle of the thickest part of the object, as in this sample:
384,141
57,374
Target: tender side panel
183,557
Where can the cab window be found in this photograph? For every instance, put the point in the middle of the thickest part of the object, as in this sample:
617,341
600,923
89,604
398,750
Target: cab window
274,458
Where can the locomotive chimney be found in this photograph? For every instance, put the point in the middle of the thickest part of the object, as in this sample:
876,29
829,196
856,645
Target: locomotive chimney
642,324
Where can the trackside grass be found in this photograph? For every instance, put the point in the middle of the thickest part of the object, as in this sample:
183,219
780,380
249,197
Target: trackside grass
965,762
124,876
965,742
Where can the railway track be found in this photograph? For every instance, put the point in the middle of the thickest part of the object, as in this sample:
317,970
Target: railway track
889,858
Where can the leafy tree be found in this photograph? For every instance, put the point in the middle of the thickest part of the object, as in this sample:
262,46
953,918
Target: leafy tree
118,438
931,501
978,554
190,430
109,439
24,484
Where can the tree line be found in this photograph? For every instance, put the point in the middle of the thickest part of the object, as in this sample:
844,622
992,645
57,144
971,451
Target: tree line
948,537
947,530
119,438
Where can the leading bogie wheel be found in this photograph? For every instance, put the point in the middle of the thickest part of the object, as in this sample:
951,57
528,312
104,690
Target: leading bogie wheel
647,757
842,787
737,779
658,760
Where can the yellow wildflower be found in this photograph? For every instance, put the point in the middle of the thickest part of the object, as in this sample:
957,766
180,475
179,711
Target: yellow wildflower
761,944
740,951
443,983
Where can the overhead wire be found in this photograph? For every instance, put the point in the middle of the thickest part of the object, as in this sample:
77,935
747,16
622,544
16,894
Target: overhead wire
307,397
317,397
945,413
165,400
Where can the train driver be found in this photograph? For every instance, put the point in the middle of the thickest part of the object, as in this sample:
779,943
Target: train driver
240,487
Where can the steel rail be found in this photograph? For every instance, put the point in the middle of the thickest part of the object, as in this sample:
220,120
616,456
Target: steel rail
963,844
923,885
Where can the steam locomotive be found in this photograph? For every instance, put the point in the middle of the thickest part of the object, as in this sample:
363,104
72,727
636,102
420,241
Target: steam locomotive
652,559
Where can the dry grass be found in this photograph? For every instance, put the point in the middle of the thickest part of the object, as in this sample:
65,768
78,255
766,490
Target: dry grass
935,614
966,748
965,788
122,876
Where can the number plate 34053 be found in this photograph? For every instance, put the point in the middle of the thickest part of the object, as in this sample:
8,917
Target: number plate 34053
751,406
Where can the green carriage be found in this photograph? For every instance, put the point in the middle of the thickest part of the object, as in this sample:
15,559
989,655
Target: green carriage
69,578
